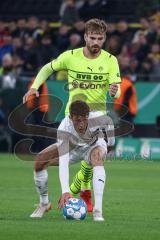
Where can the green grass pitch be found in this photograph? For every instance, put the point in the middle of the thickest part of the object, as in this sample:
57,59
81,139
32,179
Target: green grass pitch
131,204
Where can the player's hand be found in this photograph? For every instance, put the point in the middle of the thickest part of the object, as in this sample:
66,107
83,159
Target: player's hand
113,88
31,92
64,199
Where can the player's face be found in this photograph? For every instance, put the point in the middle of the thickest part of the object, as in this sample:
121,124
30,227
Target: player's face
80,123
94,41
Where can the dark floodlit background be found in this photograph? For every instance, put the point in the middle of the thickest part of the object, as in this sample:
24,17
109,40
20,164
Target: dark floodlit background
32,32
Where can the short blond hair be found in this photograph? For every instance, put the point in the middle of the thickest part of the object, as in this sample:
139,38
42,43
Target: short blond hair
95,25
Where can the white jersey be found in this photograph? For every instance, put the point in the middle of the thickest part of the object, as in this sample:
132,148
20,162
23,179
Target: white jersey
83,144
98,125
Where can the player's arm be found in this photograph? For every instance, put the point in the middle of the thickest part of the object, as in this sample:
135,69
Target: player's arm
45,73
63,150
114,78
64,179
110,132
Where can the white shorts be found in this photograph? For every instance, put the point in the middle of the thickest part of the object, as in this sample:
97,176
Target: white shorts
83,153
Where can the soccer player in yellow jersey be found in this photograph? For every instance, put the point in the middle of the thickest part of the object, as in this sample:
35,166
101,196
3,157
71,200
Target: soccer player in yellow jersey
92,72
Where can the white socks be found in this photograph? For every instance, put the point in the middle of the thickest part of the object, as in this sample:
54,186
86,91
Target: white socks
99,178
41,182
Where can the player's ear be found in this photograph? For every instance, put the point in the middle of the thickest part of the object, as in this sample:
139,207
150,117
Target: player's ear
85,37
104,38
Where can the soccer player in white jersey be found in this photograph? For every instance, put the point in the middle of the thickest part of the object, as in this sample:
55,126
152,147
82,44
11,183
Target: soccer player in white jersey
80,135
83,130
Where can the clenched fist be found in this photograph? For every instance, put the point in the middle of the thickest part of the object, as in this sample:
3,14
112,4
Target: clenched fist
31,92
113,88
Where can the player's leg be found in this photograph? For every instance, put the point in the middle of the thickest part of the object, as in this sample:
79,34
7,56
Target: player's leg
87,172
82,180
47,157
82,183
86,193
97,157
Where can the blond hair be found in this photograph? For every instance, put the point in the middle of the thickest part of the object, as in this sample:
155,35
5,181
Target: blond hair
95,25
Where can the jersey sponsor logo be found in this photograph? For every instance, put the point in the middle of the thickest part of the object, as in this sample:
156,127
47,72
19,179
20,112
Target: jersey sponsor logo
89,77
88,85
75,84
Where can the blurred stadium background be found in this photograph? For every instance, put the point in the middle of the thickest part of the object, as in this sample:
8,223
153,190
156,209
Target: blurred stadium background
33,32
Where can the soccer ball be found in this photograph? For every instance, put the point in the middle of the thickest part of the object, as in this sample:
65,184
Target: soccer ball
75,209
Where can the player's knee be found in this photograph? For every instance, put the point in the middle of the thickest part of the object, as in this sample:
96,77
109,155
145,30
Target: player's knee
97,157
39,163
